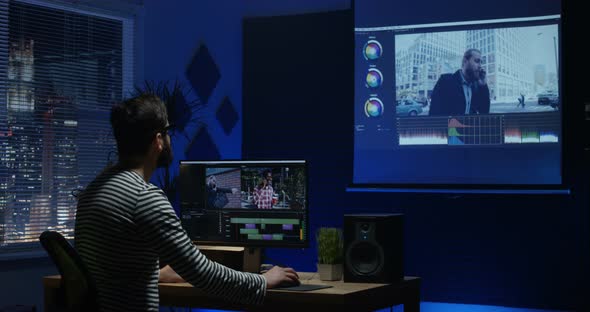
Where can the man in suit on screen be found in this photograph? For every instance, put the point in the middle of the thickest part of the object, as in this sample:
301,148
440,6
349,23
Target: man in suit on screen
465,92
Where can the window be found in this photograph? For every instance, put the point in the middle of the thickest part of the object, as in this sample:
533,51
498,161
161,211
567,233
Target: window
66,68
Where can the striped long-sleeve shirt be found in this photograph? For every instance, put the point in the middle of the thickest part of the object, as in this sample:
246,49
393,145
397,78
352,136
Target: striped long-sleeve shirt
125,226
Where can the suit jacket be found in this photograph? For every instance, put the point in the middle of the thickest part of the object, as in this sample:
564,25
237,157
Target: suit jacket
448,98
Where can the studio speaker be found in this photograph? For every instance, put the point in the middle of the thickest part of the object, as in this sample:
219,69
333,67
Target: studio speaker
373,248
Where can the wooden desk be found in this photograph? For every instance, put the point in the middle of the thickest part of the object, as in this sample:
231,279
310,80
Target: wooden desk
343,296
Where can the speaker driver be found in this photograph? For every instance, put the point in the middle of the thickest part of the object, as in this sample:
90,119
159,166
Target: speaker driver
366,258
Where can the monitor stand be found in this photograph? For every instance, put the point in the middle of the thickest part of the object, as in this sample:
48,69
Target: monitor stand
252,259
245,259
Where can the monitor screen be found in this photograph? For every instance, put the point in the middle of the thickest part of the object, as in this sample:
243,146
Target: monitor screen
245,203
445,100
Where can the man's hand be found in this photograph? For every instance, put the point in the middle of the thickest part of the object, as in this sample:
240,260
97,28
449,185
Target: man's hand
482,77
167,275
277,275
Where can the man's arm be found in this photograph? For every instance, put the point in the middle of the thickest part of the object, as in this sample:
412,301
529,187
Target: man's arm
485,109
232,190
161,228
167,275
436,105
483,100
256,196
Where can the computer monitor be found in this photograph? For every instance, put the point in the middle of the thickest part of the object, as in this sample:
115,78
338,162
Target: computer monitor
245,203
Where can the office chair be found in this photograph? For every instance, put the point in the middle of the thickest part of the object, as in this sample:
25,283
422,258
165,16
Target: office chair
78,291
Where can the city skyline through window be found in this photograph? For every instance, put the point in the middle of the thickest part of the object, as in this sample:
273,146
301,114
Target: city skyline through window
64,73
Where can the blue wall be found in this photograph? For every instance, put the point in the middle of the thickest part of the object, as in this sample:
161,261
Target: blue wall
526,251
173,32
517,251
511,250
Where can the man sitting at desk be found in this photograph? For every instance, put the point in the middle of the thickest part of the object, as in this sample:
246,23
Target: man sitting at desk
126,227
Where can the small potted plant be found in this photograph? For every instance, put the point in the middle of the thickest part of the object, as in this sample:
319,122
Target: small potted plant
330,253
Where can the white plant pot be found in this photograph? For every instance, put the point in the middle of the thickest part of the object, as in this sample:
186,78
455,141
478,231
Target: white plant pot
330,272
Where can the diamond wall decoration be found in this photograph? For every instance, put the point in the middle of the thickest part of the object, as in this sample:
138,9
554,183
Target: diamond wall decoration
202,73
227,115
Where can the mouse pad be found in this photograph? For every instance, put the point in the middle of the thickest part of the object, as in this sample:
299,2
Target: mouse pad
305,287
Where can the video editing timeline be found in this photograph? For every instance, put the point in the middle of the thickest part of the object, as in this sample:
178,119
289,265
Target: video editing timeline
272,227
233,226
479,129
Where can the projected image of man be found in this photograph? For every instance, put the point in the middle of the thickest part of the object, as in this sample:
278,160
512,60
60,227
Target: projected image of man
464,92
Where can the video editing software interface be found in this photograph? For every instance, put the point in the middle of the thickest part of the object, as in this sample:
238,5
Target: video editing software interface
412,125
244,203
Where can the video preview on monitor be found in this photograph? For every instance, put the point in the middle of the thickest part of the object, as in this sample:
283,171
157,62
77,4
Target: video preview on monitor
244,203
457,102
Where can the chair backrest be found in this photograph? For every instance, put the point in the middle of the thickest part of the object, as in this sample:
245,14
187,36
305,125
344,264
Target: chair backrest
79,291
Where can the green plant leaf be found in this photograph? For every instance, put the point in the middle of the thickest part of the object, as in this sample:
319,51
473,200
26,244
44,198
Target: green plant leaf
330,245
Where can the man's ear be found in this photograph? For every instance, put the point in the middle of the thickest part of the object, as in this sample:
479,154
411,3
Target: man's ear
158,142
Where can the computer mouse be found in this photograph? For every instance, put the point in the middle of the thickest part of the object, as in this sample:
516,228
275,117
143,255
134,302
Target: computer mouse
289,283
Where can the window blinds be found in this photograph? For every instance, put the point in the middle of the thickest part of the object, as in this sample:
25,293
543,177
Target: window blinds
61,70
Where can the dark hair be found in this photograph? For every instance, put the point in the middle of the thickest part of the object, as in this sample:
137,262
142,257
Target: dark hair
135,122
469,53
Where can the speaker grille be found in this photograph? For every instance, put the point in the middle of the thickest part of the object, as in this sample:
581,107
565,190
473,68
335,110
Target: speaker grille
373,245
366,258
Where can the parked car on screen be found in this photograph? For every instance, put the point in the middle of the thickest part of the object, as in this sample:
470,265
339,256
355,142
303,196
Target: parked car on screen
408,107
548,98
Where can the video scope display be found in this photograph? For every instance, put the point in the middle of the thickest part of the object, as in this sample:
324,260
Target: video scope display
461,102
